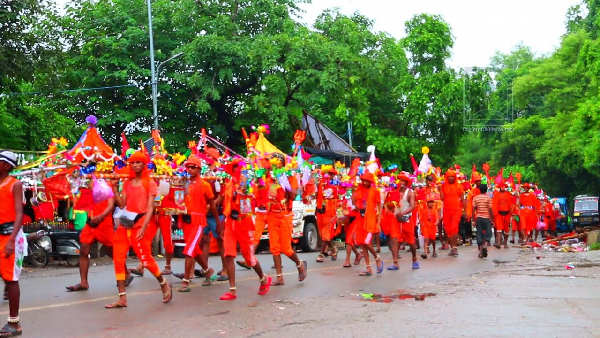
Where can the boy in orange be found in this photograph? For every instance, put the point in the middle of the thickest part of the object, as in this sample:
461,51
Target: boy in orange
430,218
389,224
530,210
99,228
239,229
502,206
326,210
12,240
137,197
452,195
199,194
351,221
367,200
279,219
406,221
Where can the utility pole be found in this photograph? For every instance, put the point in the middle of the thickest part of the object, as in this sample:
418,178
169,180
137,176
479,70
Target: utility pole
152,71
349,128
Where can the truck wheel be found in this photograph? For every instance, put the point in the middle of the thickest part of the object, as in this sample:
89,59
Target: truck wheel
310,240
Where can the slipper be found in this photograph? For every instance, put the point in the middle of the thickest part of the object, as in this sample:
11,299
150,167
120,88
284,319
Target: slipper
9,331
243,265
74,288
302,275
179,275
484,252
228,296
169,296
346,266
416,265
128,280
184,288
263,289
222,278
393,267
424,256
199,273
365,273
206,282
115,305
379,263
320,258
278,283
137,272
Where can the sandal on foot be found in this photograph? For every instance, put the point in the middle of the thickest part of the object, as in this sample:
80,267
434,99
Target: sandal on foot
169,294
393,267
347,265
278,282
302,274
334,256
10,331
424,256
434,255
320,258
115,305
137,272
167,270
222,278
228,296
184,288
73,288
243,265
179,275
264,288
416,265
379,263
365,273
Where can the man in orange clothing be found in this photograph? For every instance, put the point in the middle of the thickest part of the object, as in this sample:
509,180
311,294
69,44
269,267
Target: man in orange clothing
530,210
502,207
550,215
430,217
99,228
405,220
137,198
279,220
326,210
452,195
367,200
12,240
239,230
199,195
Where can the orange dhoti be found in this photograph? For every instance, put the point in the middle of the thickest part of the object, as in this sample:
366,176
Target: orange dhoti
260,221
326,221
451,220
528,219
502,222
192,234
355,222
407,232
389,224
240,232
164,223
123,239
280,233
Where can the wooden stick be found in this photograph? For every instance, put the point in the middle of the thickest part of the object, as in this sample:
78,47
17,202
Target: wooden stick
564,238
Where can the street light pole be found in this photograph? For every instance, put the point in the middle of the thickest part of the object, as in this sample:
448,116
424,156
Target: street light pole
152,71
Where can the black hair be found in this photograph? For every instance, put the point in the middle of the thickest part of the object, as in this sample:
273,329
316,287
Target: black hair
483,188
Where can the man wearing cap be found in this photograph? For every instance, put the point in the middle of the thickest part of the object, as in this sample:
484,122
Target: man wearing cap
239,230
502,206
452,195
12,240
198,196
367,200
406,224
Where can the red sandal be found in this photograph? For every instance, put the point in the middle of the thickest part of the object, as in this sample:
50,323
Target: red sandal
264,288
228,296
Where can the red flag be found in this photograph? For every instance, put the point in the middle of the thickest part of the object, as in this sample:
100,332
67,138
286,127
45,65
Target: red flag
124,145
354,167
414,164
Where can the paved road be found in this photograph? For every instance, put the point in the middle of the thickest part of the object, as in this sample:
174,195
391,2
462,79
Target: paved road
510,293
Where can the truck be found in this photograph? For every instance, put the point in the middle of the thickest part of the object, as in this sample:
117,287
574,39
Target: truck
585,212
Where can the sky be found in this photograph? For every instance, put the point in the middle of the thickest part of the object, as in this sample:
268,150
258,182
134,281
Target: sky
480,27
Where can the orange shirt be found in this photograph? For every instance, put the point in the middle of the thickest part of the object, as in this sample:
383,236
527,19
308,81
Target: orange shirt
472,193
7,211
199,193
530,201
502,201
373,201
137,196
429,216
453,194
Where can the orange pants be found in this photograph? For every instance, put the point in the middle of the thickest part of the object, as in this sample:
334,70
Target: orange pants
280,233
10,266
123,239
260,220
240,232
164,223
389,224
192,234
352,227
103,234
451,221
326,223
502,222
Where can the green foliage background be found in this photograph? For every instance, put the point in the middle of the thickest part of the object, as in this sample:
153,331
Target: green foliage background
247,62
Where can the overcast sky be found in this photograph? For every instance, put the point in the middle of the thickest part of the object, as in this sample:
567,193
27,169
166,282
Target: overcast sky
480,27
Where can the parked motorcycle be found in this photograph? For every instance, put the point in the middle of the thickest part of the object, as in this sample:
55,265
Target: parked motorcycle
39,247
65,246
